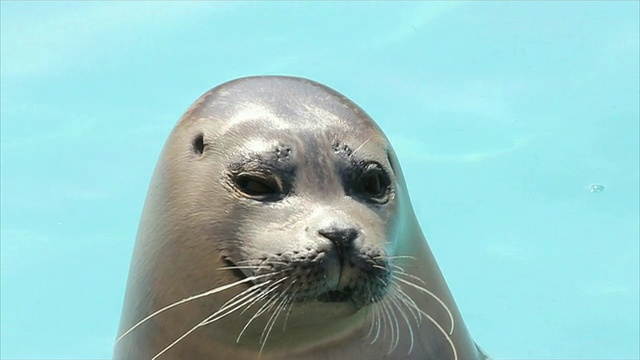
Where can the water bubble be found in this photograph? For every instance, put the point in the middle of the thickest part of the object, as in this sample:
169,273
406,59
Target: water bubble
596,188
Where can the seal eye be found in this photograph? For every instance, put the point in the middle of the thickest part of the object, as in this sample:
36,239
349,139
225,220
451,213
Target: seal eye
253,185
375,183
372,184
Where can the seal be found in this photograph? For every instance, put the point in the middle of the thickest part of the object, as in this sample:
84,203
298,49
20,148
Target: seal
278,225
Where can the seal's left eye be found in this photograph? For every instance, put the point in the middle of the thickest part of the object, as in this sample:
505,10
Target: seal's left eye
256,186
374,182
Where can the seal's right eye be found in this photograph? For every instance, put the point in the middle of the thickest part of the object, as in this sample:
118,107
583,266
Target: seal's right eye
253,185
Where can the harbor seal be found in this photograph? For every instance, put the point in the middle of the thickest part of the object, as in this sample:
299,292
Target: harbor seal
278,225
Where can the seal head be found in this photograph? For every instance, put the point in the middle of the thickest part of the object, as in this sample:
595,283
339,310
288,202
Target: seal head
278,224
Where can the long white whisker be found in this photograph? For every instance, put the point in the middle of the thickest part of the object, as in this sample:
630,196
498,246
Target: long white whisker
278,300
361,145
398,268
260,263
410,276
244,299
392,313
265,292
446,336
240,267
283,296
262,309
386,318
273,300
417,287
371,311
272,321
180,339
378,322
206,293
411,305
292,301
386,257
394,301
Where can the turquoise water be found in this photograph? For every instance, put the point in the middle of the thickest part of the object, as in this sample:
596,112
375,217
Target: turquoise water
503,115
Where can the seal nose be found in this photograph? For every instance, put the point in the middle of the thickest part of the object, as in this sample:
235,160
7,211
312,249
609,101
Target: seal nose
340,237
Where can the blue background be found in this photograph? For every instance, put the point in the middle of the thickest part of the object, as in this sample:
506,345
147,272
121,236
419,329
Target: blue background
502,114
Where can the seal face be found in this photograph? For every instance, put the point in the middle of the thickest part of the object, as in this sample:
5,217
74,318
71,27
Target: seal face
278,200
328,256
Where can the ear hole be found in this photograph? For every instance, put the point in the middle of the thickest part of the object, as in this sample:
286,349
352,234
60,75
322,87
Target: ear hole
198,144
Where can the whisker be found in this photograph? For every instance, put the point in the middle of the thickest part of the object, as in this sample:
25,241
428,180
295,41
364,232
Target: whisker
206,293
385,317
446,336
213,318
260,263
361,145
240,267
265,292
392,313
394,299
265,256
255,290
392,257
373,311
420,288
264,308
411,305
410,276
292,301
398,268
284,296
179,339
272,320
378,322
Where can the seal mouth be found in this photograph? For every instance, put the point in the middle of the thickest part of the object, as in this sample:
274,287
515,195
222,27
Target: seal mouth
332,296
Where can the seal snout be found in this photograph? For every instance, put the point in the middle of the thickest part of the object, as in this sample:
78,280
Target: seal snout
353,271
342,238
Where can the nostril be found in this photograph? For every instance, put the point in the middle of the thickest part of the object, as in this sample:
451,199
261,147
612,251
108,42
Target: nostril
340,237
